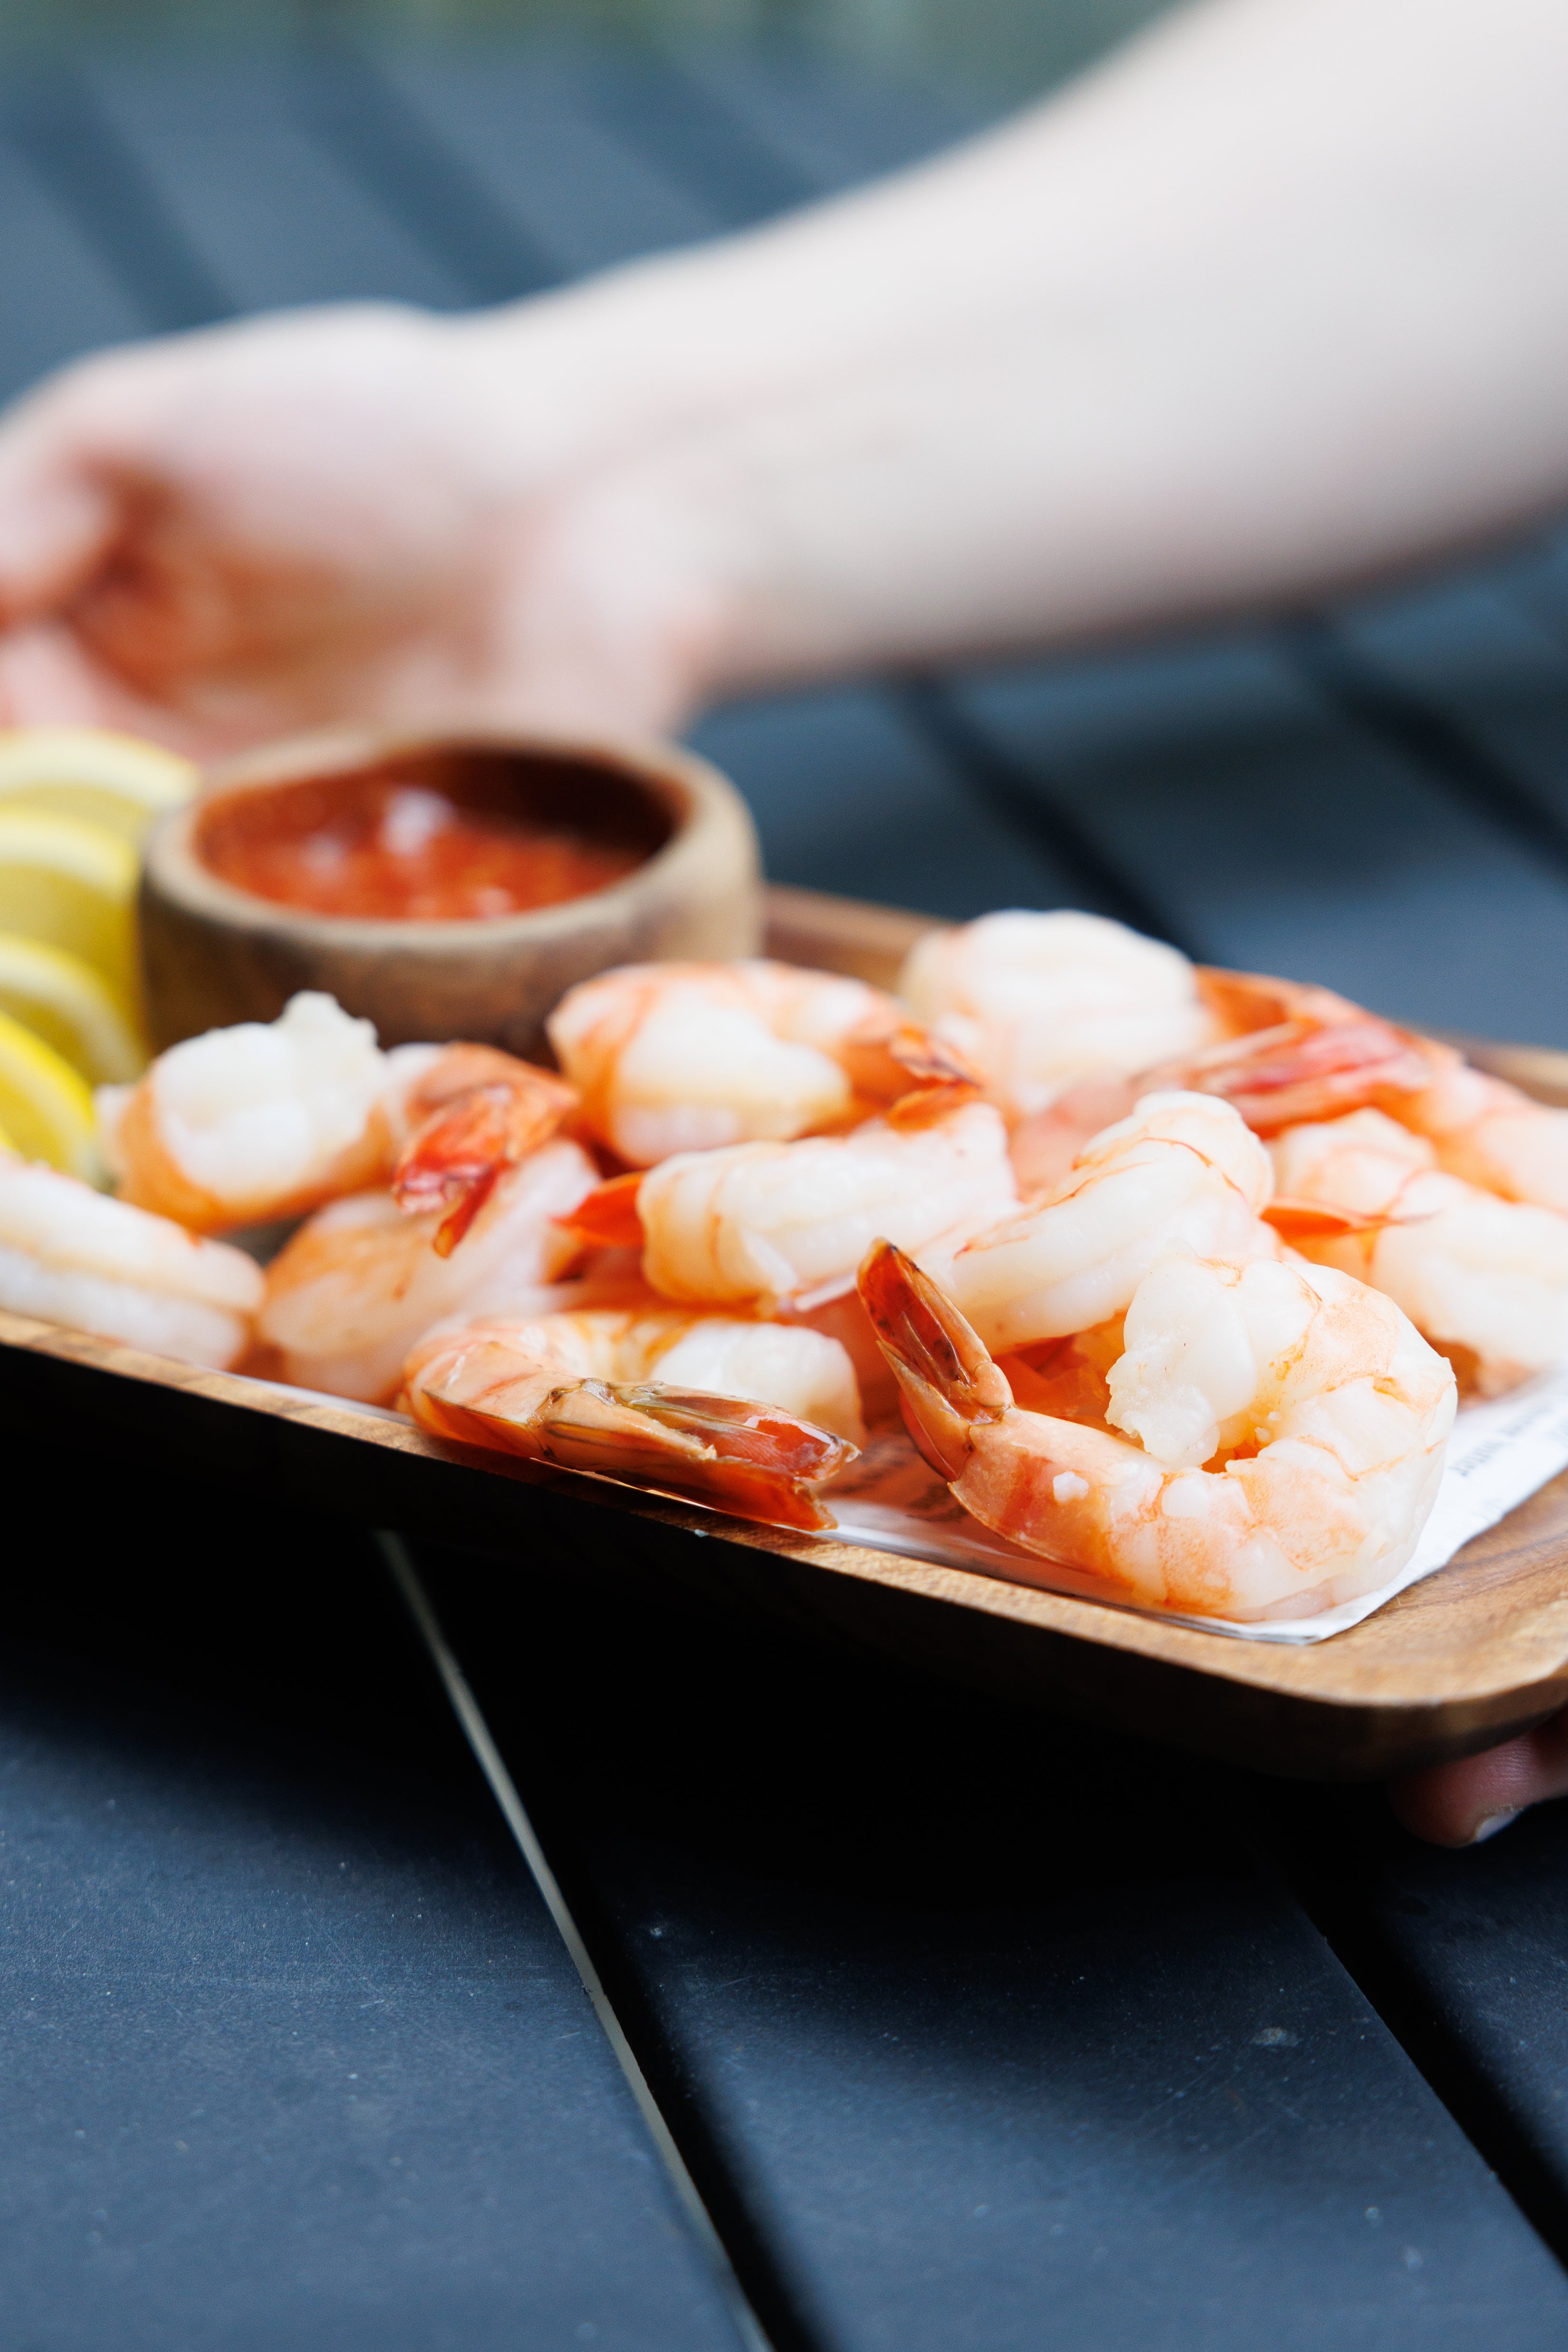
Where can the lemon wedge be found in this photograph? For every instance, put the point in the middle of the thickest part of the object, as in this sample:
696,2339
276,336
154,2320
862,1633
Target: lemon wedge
45,1108
91,773
63,1001
73,885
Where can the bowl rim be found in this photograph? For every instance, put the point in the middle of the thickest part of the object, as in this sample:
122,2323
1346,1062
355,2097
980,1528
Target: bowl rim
694,792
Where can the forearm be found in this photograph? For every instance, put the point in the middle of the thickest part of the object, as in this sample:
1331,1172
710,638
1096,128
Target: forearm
1277,300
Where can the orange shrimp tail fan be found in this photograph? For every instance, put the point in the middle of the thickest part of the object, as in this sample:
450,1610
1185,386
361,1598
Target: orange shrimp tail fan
927,1105
755,1461
1317,1220
947,1379
888,1057
1247,1000
454,1160
1302,1071
608,1217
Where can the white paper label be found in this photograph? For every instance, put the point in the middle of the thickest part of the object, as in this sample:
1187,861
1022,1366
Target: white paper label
1498,1455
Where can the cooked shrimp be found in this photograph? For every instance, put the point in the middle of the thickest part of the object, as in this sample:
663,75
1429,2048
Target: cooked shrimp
362,1280
1487,1131
1040,1002
1304,1054
69,1255
249,1125
844,1320
801,1371
1484,1278
1244,1002
764,1224
1300,1069
468,1114
607,1223
692,1405
1275,1445
674,1057
1182,1172
1042,1147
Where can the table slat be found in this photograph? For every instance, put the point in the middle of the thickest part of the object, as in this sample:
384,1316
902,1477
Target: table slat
830,119
523,123
983,2023
849,797
1283,838
1482,1939
1488,678
275,216
293,2052
51,115
1538,580
58,299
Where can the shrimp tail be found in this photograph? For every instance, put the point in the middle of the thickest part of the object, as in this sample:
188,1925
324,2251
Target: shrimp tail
1317,1220
948,1382
887,1058
927,1105
607,1218
1300,1070
454,1160
755,1461
1250,1000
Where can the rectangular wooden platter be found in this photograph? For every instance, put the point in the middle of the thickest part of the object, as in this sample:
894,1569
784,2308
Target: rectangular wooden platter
1476,1653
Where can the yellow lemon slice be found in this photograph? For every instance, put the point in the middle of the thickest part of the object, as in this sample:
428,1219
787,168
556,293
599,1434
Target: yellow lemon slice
63,1001
91,773
44,1107
73,885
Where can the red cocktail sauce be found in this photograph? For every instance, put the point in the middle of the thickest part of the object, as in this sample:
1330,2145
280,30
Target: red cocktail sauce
402,851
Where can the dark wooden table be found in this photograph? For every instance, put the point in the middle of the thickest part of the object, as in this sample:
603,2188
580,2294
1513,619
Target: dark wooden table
966,2027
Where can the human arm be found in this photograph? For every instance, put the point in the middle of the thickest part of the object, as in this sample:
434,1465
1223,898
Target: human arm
1274,302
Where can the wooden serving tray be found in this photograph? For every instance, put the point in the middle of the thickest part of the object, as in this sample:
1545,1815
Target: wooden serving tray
1476,1653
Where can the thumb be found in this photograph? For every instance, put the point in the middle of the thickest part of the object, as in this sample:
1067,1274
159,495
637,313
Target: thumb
57,523
68,458
1462,1803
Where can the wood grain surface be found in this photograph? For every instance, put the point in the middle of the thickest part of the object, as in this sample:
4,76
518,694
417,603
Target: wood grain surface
1477,1652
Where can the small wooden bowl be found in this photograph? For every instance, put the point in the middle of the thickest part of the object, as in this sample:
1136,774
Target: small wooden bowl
212,953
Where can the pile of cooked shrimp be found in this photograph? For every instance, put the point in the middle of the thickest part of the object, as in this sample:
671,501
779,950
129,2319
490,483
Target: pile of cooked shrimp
1170,1271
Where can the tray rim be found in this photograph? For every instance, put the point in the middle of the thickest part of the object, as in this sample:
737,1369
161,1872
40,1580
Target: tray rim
1462,1700
1265,1665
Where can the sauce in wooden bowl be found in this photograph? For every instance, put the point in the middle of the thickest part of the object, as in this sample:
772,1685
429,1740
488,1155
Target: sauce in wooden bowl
442,886
431,840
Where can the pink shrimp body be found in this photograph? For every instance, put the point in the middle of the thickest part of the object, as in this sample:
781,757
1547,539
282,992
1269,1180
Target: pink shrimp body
263,1121
1301,1053
766,1222
1042,1002
1490,1133
69,1255
674,1057
362,1280
242,1125
1275,1446
1475,1273
1182,1172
